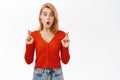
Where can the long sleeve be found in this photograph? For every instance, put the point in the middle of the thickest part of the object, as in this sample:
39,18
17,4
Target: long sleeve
29,53
65,56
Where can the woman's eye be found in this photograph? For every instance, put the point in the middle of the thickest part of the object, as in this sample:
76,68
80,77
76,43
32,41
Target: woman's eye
44,14
52,15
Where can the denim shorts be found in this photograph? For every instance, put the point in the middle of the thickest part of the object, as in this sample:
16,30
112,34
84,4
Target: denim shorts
48,74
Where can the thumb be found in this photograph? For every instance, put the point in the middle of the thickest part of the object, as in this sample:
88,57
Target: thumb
29,32
66,35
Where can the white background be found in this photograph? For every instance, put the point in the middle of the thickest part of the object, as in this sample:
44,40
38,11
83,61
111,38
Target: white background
94,31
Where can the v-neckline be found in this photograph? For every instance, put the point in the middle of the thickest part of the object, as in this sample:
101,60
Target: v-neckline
45,40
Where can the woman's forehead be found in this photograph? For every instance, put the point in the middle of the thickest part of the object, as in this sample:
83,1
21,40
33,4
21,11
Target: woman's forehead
47,10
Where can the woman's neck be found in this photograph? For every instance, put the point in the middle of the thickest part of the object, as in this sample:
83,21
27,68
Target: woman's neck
46,31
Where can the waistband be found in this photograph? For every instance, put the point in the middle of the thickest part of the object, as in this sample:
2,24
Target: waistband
46,70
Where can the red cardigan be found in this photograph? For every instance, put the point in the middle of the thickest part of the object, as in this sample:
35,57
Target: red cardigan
48,55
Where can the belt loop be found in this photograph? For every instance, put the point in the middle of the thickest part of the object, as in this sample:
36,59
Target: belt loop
46,71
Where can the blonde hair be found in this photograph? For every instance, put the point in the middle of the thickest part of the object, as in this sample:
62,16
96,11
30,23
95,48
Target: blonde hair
54,27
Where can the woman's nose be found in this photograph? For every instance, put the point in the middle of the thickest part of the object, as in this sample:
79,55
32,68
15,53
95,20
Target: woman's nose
48,17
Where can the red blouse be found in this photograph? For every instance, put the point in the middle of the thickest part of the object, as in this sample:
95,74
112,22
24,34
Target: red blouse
48,55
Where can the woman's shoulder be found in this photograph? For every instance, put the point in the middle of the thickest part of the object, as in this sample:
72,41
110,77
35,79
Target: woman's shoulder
33,33
61,33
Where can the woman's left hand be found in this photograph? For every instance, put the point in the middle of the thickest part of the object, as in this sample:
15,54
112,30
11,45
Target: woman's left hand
65,41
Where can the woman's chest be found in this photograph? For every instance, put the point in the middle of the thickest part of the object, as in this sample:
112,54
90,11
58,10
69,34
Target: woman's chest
41,44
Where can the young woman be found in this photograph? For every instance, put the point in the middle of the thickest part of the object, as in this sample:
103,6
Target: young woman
51,46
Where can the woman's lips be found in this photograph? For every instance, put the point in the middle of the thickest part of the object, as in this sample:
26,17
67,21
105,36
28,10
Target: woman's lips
48,23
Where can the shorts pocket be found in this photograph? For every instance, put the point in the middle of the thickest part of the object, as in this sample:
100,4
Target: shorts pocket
38,72
57,72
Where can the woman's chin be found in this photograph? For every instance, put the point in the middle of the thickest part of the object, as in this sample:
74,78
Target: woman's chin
48,26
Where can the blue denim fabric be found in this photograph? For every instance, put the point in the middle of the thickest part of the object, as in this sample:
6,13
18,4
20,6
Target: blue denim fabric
48,74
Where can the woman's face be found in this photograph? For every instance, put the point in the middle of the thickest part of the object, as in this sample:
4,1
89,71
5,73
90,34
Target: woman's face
47,18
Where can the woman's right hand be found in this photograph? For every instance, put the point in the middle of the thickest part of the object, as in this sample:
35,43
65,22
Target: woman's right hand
29,38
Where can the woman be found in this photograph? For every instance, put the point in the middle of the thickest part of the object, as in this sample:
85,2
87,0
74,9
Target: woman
51,46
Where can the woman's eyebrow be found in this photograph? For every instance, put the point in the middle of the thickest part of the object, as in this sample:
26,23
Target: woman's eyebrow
52,12
44,12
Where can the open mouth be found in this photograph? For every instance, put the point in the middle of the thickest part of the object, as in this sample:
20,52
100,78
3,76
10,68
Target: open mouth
48,23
